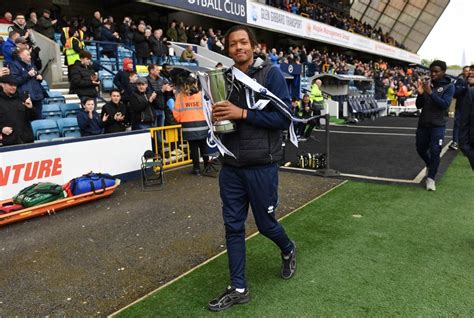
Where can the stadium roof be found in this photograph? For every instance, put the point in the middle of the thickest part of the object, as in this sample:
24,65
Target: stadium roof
408,21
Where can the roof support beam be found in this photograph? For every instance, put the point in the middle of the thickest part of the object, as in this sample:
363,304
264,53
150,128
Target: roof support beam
398,17
417,19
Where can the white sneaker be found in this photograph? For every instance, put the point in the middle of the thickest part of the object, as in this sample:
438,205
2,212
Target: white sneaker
430,184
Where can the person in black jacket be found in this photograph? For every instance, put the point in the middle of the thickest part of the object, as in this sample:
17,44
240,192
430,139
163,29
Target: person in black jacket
116,111
434,97
83,79
19,25
460,90
466,132
107,35
15,114
251,177
141,106
142,45
29,80
158,48
95,24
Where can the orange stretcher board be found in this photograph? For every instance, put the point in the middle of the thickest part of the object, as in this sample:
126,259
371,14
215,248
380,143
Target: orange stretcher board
54,206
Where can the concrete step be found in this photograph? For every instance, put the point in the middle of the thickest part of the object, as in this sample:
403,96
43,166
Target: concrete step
63,84
63,91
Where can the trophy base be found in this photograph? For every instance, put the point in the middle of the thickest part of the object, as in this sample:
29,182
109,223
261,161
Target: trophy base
224,127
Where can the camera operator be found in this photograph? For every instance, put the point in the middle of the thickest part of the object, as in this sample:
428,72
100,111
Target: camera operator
434,97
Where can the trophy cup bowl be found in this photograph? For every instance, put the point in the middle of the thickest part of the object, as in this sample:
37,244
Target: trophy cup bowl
217,88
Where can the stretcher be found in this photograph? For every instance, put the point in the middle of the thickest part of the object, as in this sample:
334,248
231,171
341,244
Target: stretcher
54,206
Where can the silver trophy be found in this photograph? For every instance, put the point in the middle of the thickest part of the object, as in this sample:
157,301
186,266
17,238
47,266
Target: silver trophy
217,91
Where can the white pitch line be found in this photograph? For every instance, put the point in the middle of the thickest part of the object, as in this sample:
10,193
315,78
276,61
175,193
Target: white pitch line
221,253
377,127
422,173
368,133
377,178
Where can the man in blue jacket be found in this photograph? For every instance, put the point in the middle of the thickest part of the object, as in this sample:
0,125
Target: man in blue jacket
460,89
29,79
9,47
252,177
434,97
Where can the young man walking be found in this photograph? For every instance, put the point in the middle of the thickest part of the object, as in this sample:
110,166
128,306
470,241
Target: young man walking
252,177
434,97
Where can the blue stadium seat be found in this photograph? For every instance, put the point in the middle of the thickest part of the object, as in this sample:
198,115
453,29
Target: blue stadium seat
51,100
68,127
54,94
44,84
45,129
107,83
52,111
69,110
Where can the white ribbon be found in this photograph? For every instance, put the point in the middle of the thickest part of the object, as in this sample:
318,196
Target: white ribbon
251,87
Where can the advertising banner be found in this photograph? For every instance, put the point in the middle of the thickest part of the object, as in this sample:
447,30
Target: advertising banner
266,17
235,10
59,163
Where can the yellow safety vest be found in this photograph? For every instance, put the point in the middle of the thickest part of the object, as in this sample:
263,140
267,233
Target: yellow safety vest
71,55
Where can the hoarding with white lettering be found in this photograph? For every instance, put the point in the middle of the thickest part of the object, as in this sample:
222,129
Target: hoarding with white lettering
273,19
60,162
235,10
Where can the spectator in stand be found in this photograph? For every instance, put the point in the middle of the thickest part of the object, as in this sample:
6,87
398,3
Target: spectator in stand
203,41
126,31
9,47
90,122
402,93
95,25
28,80
141,106
391,95
142,45
461,87
45,25
434,97
188,111
158,85
116,112
83,79
310,109
172,33
193,35
32,21
122,80
466,131
188,55
108,36
16,114
19,25
7,18
158,48
182,36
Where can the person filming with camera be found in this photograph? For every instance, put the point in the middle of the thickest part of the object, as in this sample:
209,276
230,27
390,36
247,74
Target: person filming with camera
434,97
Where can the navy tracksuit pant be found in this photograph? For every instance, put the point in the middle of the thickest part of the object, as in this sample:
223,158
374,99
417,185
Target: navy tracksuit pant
429,142
239,188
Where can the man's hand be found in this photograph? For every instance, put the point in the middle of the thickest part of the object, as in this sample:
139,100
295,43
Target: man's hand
419,87
32,72
28,103
225,110
105,117
7,130
119,117
427,87
96,82
4,71
39,77
152,97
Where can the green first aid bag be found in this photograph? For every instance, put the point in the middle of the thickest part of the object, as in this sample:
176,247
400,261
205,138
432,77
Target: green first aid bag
39,193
